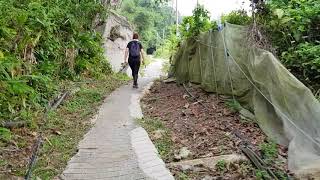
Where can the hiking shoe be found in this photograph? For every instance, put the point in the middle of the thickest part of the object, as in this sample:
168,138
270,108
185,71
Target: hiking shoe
135,86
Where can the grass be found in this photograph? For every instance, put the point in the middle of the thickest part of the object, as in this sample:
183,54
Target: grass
260,175
269,151
164,144
146,61
166,66
5,134
65,127
221,165
182,176
233,105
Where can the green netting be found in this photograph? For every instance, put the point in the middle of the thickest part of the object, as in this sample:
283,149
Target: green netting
285,109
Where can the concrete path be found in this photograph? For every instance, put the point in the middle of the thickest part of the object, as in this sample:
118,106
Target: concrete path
116,147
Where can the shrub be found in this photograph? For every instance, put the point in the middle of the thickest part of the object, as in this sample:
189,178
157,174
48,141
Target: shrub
43,42
239,17
293,28
199,22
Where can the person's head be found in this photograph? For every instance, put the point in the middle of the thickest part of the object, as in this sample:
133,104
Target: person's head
135,36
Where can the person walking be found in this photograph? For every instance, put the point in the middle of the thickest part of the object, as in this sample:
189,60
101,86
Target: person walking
134,56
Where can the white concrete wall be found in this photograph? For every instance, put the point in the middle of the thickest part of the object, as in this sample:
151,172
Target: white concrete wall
114,51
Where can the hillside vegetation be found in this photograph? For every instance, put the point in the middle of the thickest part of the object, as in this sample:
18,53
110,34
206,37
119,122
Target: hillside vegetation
152,19
47,48
41,43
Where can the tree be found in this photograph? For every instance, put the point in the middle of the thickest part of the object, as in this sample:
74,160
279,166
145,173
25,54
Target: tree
150,18
197,23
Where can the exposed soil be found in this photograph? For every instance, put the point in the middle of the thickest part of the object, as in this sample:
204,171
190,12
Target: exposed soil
206,126
17,150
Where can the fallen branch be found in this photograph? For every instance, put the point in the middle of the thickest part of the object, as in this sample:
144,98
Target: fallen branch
33,158
194,98
59,101
9,150
242,138
258,162
13,124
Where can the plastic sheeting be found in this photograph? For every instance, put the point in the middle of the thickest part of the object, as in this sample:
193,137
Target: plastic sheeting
285,109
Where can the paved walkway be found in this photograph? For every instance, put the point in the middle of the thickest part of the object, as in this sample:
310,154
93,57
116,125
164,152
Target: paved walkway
116,148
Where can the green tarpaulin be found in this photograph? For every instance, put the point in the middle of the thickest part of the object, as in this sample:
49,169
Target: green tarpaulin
285,109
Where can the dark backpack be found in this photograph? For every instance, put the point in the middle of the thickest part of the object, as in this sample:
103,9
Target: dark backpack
135,49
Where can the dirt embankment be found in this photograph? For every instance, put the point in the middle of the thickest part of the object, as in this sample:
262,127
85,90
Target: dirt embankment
207,127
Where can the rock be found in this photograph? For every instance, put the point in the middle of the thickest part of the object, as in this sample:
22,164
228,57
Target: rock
158,134
185,96
186,167
211,161
208,178
183,154
186,105
169,80
116,32
207,155
94,119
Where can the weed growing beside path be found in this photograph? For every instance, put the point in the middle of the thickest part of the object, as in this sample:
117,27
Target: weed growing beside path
63,129
160,135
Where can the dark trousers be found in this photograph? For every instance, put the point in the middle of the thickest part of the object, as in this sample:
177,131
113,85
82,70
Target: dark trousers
134,64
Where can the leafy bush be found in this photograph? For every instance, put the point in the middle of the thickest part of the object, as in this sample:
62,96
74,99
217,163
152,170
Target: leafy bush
42,42
199,22
191,26
170,45
293,28
239,17
304,61
151,19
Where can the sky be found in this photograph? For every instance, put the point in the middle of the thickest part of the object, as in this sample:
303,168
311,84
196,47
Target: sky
216,7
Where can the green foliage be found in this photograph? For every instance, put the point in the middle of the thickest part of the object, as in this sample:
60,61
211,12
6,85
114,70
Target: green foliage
42,42
221,165
293,28
182,176
165,66
239,17
281,175
304,60
5,134
269,151
191,26
261,175
164,144
151,19
199,22
170,44
234,105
